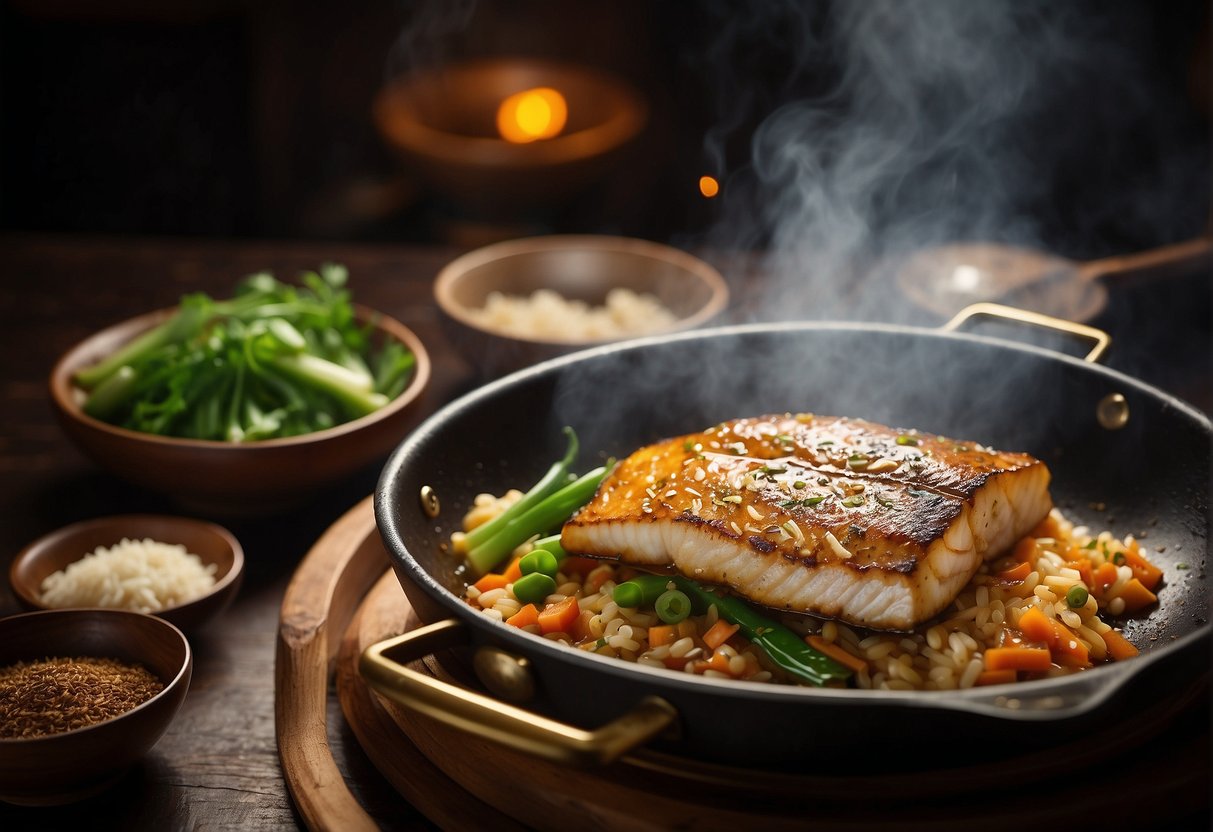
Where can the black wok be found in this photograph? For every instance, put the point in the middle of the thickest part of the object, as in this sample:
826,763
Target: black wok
1149,475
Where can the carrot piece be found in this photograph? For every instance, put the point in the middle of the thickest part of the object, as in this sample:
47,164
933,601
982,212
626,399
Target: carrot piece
837,653
1026,550
1083,567
525,617
1119,647
719,633
1015,574
580,628
493,580
1069,651
1036,626
1136,596
558,617
1063,645
687,629
1143,570
661,635
1018,658
995,677
514,571
718,662
1105,576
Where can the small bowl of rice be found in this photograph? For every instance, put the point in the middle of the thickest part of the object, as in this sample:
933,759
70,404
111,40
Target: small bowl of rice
512,304
183,570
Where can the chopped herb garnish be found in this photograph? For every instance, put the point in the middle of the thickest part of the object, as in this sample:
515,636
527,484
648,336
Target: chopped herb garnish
914,492
688,445
823,480
1181,566
799,484
1077,596
1090,544
906,440
853,501
1118,558
884,501
812,501
825,443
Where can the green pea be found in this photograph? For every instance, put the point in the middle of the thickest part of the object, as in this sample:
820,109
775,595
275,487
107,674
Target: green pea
533,588
673,606
539,561
1077,596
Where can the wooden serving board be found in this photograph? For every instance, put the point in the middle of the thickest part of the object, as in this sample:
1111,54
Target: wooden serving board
343,598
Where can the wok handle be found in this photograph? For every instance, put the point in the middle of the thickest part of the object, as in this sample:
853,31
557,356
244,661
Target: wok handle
1009,313
383,667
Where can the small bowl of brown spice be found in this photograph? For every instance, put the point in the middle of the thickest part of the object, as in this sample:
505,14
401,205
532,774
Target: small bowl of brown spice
84,694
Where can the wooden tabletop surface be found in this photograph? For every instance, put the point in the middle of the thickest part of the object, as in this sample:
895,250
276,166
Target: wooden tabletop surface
217,766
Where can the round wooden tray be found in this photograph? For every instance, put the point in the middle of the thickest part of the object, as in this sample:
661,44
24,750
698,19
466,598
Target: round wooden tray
1155,768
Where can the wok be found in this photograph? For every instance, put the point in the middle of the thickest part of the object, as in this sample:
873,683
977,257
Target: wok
1124,456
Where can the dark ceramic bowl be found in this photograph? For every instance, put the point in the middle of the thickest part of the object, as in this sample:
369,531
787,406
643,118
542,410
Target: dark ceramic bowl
211,543
66,767
225,478
577,267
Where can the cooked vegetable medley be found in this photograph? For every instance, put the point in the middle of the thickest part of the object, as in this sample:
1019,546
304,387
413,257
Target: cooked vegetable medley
1037,611
275,360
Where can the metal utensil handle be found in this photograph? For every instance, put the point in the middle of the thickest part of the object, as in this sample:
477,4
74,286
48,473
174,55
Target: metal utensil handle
1009,313
486,717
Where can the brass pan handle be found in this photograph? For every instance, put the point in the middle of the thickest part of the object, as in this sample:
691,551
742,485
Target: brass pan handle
1009,313
383,667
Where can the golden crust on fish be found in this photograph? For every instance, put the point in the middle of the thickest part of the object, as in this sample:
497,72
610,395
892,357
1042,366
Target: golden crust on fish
831,516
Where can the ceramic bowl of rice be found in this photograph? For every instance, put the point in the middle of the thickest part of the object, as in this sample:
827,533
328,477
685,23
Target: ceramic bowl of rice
515,303
183,570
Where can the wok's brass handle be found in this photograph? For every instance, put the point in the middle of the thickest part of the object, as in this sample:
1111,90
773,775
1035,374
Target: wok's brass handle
486,717
1009,313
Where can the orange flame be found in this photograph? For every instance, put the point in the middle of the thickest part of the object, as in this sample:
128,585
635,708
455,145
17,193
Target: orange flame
708,186
527,116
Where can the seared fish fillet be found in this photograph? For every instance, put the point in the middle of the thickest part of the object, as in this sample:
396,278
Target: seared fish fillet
836,517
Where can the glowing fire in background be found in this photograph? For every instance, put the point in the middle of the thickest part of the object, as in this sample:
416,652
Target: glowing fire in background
708,186
531,115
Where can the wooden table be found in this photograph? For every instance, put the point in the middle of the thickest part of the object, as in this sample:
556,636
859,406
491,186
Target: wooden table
217,767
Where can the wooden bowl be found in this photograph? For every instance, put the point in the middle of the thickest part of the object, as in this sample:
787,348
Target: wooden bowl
581,267
443,123
230,479
211,543
62,768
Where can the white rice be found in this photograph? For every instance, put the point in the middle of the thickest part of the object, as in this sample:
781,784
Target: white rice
139,575
547,314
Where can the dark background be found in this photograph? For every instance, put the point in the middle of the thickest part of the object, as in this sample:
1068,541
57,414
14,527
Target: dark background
252,119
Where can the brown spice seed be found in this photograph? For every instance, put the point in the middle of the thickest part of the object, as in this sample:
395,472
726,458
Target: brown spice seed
54,695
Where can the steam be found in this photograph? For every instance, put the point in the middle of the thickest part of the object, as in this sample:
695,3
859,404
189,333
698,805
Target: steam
948,120
425,41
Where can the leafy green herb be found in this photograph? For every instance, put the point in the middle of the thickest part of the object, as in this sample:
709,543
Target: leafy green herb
906,440
274,360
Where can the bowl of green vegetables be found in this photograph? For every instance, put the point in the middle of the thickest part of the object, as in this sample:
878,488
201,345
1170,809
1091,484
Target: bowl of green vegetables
248,404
